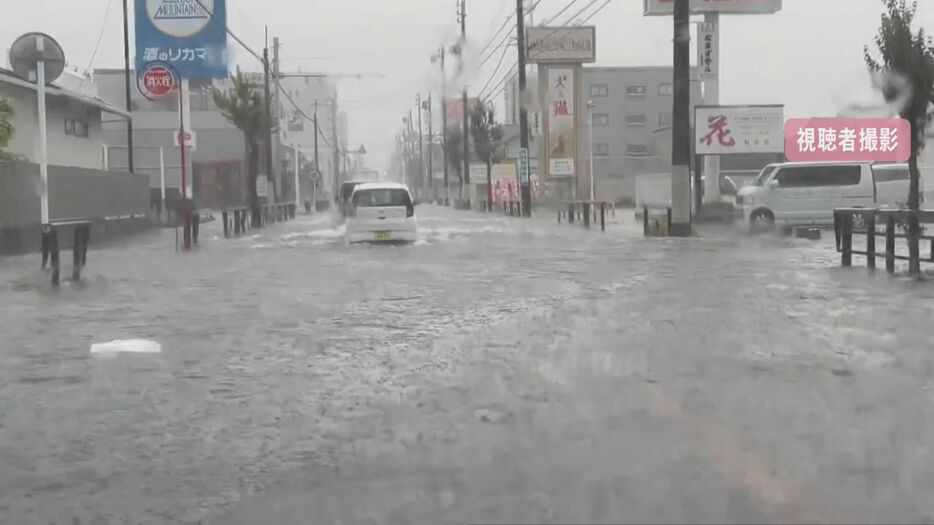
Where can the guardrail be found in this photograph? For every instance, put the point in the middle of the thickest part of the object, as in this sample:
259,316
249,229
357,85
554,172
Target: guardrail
81,230
237,220
863,221
586,212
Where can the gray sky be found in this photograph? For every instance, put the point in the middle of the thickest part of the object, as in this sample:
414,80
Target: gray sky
808,57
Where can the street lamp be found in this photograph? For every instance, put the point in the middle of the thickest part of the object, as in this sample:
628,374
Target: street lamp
590,120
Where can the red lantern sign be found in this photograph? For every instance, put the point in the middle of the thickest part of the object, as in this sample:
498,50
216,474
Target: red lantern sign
157,81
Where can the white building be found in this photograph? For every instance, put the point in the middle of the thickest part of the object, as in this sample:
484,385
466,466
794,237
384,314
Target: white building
74,117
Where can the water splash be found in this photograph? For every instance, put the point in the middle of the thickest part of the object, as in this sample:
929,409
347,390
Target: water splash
126,346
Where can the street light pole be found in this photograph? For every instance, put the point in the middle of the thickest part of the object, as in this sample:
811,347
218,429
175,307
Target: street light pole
590,121
421,142
466,125
431,142
268,101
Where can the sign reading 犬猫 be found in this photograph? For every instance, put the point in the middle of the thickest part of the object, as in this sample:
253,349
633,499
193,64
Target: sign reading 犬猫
847,140
562,132
728,130
737,7
190,35
561,45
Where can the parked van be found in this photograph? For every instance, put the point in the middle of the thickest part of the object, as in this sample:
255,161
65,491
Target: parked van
792,194
797,194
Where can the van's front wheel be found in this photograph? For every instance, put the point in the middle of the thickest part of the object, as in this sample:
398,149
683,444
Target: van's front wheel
761,220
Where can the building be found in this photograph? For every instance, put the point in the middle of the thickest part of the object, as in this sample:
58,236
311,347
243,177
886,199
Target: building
315,95
629,105
74,116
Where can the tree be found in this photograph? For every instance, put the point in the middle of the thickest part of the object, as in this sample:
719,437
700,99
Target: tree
244,107
6,130
454,151
487,137
908,68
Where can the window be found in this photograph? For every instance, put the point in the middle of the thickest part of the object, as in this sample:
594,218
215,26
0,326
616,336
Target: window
599,90
635,91
636,119
665,89
890,173
637,150
816,176
664,119
381,197
76,128
601,120
601,149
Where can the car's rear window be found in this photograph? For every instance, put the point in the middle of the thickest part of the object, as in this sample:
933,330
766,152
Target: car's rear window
382,197
890,174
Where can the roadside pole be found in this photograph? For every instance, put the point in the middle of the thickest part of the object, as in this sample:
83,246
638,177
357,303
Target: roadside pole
593,191
126,79
431,143
421,144
269,126
681,124
43,135
298,195
465,180
523,111
711,98
184,114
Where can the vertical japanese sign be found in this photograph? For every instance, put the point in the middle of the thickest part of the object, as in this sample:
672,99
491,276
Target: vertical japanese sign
847,140
189,35
708,50
726,130
562,134
523,165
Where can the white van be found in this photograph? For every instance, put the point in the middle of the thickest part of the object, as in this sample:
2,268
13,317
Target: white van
381,212
797,194
793,194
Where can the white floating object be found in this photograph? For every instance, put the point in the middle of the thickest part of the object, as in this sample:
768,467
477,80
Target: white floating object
129,346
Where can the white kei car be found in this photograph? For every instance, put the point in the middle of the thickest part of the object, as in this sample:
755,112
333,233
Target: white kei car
381,212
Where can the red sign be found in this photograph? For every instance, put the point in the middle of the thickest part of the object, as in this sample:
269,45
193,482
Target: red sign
847,140
156,81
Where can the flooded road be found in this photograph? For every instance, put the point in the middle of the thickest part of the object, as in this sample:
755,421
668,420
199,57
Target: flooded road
498,370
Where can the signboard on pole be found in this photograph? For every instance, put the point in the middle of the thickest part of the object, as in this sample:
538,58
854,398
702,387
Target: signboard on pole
735,7
728,130
561,45
189,35
524,169
848,140
562,133
262,186
156,81
191,139
708,50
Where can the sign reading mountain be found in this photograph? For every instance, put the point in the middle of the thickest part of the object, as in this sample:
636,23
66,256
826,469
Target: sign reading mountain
180,18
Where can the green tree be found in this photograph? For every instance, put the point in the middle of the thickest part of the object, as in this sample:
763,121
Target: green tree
243,105
487,137
454,151
6,130
908,66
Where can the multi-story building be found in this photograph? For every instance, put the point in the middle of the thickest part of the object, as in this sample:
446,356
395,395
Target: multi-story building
630,105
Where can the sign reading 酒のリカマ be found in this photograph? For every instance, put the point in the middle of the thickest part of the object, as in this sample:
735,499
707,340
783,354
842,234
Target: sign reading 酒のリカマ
189,35
847,140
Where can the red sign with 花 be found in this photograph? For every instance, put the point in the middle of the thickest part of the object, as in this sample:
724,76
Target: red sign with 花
847,140
157,81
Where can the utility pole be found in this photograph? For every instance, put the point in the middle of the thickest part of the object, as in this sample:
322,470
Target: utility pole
277,166
466,131
681,124
337,149
268,100
523,111
316,137
126,74
444,124
431,143
421,143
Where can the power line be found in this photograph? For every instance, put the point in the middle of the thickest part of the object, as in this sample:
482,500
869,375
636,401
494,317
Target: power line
504,39
496,70
97,46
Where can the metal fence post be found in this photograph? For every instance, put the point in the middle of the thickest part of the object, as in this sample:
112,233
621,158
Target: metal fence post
847,256
603,216
871,240
226,224
53,251
586,207
571,212
890,244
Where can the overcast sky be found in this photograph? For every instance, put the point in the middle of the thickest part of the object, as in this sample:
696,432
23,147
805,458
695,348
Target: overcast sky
808,57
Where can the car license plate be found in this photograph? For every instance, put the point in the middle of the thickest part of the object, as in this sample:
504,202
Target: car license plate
383,236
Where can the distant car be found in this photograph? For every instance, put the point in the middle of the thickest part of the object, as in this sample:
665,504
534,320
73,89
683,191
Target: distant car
343,198
381,212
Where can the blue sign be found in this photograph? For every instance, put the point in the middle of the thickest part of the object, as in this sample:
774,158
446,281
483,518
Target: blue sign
190,35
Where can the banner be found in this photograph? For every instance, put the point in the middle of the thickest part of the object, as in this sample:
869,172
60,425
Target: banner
562,134
189,35
847,140
735,7
708,50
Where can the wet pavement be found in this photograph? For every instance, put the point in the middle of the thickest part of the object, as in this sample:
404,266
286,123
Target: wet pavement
499,370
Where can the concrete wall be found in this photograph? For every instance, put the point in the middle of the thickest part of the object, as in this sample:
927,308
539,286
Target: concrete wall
64,149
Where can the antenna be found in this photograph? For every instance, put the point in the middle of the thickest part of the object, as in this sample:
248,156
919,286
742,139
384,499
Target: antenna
32,48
